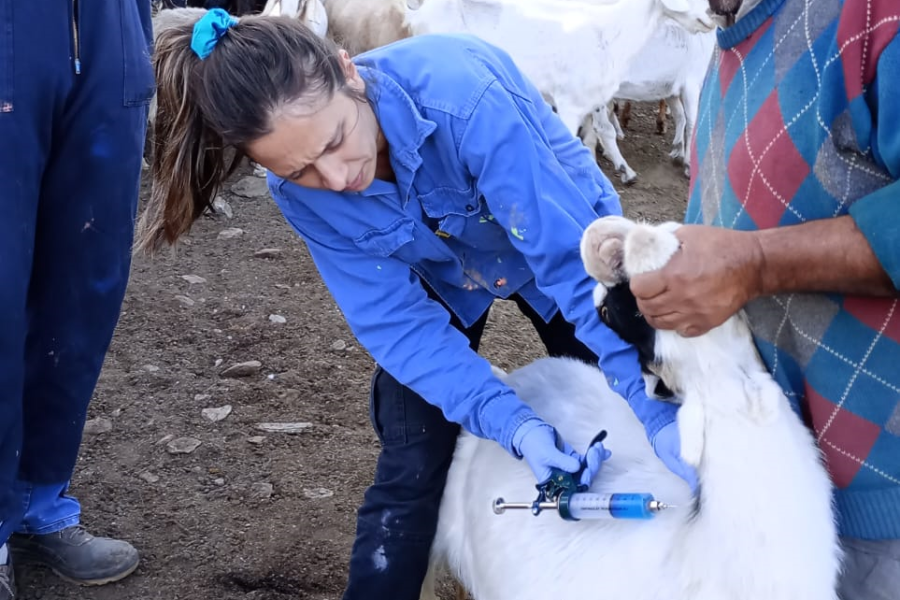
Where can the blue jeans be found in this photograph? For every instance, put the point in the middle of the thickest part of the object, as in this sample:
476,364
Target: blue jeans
871,570
71,142
398,518
45,509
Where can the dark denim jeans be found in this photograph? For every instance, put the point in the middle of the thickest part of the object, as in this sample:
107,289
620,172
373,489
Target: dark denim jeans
871,570
397,521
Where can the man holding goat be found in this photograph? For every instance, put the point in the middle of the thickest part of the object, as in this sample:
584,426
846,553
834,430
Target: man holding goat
795,183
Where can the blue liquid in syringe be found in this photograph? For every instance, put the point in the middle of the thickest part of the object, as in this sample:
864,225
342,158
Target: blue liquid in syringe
611,506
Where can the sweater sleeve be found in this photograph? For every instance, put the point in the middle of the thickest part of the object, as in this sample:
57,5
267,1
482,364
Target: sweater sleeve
878,214
545,214
407,333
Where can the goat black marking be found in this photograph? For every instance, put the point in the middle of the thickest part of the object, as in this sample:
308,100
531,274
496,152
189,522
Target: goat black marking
620,312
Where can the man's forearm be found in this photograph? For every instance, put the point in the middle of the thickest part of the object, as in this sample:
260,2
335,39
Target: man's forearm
828,255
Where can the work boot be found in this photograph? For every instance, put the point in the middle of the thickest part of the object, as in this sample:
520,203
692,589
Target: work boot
7,580
76,555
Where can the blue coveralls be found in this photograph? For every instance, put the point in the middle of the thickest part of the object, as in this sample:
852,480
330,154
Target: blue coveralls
492,196
75,83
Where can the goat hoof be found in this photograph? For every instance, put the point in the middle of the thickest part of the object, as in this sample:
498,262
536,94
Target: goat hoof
628,179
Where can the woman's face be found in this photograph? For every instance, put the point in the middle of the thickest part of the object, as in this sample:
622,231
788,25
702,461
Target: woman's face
331,144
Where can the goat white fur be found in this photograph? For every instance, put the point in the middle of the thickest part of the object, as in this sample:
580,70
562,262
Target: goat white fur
312,13
362,25
671,66
575,52
761,529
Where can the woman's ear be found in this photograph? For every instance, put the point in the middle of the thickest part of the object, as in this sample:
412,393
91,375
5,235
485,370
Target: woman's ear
350,70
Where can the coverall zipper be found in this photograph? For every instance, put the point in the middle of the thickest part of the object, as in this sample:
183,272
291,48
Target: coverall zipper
75,36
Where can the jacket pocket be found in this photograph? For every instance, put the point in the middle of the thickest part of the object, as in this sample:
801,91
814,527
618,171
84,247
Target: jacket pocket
6,56
139,81
386,241
451,208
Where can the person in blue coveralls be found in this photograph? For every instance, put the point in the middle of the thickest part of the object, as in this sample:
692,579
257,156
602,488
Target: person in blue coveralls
428,178
75,84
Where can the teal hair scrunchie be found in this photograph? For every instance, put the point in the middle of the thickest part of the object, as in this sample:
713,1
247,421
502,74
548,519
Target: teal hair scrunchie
209,30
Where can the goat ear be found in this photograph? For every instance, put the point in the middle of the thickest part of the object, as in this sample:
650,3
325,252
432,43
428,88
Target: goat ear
678,6
602,249
648,248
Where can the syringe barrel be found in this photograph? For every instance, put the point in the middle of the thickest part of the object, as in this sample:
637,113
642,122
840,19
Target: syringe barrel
611,506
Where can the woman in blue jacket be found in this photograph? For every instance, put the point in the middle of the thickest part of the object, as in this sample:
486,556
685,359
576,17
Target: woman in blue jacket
427,178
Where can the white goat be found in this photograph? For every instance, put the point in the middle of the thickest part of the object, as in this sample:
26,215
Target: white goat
362,25
576,52
671,66
762,526
310,12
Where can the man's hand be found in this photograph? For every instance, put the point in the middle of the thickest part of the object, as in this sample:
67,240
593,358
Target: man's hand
714,274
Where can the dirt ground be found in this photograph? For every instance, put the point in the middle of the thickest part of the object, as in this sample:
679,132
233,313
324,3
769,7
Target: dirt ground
250,514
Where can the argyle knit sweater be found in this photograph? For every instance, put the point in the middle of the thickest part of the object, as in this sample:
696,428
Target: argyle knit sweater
799,119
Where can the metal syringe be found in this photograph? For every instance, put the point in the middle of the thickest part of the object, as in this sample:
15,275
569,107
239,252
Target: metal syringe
584,505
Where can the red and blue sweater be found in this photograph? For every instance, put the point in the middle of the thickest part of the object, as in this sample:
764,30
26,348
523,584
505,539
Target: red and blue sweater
799,120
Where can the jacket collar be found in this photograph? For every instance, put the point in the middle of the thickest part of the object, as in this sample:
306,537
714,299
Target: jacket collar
746,25
403,126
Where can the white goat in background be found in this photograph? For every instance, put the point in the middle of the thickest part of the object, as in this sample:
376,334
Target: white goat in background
310,12
671,66
362,25
577,53
761,527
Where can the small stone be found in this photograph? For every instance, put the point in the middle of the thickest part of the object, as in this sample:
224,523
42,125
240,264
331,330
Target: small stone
284,286
220,205
277,319
218,362
202,397
230,233
97,426
284,427
256,440
150,368
262,489
216,414
259,170
219,481
268,253
149,477
244,369
318,493
164,439
193,279
339,345
250,187
185,300
184,445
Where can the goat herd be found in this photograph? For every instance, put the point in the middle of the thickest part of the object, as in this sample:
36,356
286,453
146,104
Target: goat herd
639,50
738,539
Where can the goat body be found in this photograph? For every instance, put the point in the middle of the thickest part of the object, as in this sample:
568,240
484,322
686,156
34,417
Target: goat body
671,66
362,25
761,528
571,34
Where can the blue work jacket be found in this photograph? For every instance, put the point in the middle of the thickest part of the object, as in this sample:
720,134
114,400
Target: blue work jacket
492,196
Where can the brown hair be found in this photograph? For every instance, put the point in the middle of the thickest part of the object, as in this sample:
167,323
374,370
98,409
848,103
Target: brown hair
258,69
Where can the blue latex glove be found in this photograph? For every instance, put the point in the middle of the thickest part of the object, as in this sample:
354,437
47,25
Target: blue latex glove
667,445
537,442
